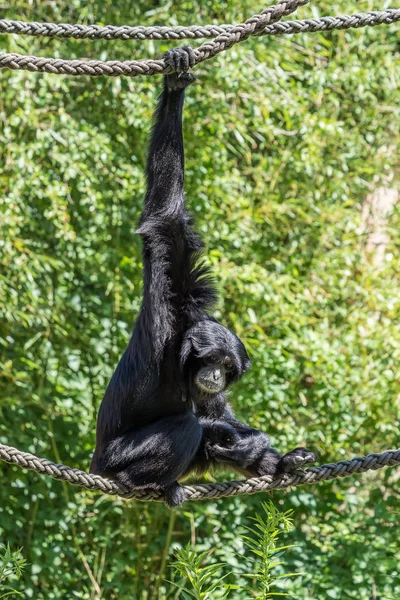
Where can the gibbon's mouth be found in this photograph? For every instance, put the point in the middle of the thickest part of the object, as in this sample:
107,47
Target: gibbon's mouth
210,387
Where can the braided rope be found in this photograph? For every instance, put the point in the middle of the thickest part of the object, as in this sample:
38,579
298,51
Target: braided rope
368,19
327,472
193,32
226,39
227,35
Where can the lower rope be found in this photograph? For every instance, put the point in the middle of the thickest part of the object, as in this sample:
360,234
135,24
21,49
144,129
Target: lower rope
343,468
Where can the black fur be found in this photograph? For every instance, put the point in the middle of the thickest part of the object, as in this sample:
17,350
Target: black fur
155,424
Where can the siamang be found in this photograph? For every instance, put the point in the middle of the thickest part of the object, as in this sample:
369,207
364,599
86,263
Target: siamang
164,413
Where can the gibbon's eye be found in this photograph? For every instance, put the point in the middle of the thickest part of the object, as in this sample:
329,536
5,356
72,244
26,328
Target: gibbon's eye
212,360
228,366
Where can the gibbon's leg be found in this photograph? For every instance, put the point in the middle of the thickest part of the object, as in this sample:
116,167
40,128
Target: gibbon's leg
155,456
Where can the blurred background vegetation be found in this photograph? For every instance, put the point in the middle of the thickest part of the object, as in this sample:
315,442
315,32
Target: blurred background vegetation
285,139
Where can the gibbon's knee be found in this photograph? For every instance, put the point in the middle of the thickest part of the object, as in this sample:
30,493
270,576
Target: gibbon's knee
156,455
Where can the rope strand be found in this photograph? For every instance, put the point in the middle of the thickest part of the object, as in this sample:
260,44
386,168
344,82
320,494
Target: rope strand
227,35
343,468
194,32
226,39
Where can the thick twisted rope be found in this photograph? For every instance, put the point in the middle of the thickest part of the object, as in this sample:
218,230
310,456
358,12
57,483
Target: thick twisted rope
356,21
193,32
227,35
226,39
327,472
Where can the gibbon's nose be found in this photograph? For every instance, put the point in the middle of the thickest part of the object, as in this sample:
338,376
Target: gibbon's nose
216,374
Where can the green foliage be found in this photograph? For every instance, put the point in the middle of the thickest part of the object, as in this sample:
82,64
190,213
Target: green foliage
202,581
199,581
284,136
12,564
262,544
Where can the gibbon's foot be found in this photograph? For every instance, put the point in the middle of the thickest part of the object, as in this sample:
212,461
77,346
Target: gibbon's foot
299,457
180,59
175,495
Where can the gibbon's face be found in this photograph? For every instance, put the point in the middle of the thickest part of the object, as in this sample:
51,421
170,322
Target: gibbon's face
216,374
212,357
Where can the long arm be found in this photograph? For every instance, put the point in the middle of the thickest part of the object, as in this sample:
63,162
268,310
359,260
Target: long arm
165,161
173,281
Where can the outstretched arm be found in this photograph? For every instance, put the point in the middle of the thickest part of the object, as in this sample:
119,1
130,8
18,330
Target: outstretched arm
228,441
170,246
165,161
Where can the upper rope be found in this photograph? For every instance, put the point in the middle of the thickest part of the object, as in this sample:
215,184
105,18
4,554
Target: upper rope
226,39
265,23
194,32
343,468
